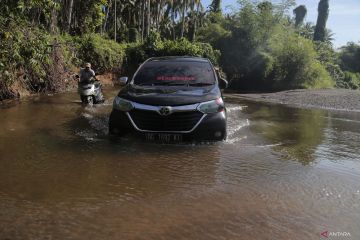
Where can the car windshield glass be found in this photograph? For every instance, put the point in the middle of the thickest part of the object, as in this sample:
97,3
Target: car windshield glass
175,73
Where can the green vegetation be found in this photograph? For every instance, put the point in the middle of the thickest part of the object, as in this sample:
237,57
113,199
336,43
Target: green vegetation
300,14
258,46
103,53
269,53
320,29
23,49
155,46
349,58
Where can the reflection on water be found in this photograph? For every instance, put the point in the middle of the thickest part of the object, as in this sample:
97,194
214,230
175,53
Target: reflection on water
282,173
300,131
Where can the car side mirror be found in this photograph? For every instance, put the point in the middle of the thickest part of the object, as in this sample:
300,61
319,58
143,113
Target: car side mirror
123,81
223,83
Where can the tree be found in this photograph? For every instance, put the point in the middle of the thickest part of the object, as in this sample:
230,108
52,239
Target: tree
307,30
350,57
195,15
184,9
215,6
300,13
323,14
71,5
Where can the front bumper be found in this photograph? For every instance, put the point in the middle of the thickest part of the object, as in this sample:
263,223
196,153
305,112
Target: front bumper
209,127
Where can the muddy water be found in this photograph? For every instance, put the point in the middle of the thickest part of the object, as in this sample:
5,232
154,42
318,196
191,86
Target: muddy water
283,173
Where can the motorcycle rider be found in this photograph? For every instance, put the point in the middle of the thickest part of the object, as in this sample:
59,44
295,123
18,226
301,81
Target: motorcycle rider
86,74
89,88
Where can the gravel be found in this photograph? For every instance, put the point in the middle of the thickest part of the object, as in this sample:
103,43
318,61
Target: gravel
334,99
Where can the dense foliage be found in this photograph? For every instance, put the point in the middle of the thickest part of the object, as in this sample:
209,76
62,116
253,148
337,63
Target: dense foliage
269,53
104,54
25,50
349,58
259,46
154,46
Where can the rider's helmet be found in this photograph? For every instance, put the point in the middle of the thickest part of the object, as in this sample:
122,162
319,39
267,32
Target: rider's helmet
87,65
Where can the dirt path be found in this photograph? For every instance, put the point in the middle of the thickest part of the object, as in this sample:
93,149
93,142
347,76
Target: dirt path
335,99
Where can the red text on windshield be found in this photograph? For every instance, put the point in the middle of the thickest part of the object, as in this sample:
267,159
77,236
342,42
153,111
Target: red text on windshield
175,78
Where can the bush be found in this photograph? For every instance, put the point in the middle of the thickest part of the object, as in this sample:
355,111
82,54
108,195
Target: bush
136,53
351,81
102,53
296,64
24,51
264,53
350,57
183,47
327,56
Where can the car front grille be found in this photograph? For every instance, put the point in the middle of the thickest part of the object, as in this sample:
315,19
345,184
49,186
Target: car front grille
153,121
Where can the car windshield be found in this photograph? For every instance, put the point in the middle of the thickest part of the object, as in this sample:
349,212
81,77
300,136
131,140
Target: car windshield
175,73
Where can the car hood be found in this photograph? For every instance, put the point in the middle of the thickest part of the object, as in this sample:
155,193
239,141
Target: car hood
169,95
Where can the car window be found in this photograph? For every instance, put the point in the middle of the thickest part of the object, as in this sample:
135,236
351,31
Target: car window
175,73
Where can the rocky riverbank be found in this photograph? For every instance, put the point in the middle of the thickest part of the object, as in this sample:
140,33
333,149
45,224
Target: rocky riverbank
66,82
333,99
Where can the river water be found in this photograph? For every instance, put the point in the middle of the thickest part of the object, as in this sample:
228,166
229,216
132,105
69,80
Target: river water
283,173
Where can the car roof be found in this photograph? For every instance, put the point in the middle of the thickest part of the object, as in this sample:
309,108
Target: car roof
178,59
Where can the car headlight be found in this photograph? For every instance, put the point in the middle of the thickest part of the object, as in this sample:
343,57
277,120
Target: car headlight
122,104
213,106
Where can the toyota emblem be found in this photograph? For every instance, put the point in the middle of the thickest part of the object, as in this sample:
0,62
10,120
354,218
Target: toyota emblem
165,111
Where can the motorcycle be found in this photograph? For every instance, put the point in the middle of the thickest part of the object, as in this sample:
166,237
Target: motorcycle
90,91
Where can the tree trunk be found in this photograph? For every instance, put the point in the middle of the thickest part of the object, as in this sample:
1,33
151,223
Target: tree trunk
139,20
323,14
53,23
160,13
173,23
300,13
183,19
148,19
106,16
215,6
142,20
115,23
195,22
71,5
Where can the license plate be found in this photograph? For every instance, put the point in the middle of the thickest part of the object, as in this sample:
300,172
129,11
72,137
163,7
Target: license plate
163,137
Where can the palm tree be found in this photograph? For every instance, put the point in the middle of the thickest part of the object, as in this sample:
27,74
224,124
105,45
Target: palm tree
307,30
184,5
166,16
106,15
300,13
71,5
215,6
323,14
174,6
148,17
196,7
329,36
